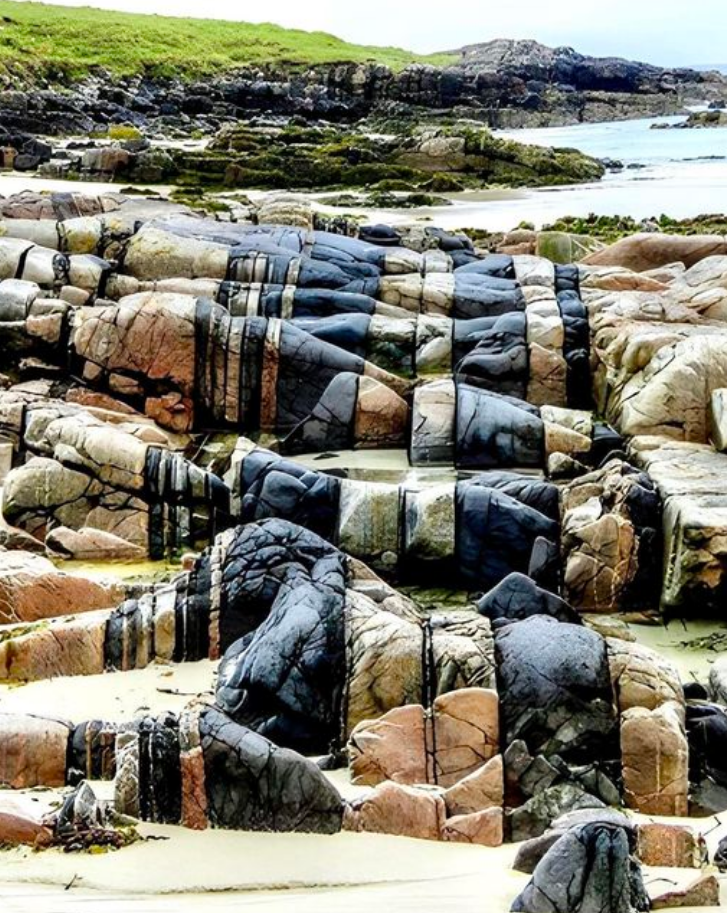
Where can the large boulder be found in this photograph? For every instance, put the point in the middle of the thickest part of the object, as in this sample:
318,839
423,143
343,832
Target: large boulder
403,811
31,589
655,759
555,690
33,751
254,785
643,252
641,677
588,870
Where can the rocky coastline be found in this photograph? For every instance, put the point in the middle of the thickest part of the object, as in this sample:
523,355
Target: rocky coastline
500,84
165,371
323,537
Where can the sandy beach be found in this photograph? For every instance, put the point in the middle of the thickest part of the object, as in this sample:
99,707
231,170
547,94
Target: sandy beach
245,871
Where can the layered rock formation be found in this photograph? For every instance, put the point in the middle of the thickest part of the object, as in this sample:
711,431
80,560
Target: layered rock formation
503,83
165,375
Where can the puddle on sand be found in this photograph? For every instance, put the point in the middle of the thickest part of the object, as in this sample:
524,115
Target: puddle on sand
673,641
126,571
387,466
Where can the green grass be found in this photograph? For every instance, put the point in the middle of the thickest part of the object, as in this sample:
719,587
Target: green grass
62,43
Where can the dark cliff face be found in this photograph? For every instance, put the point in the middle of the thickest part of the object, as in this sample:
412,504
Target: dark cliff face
502,84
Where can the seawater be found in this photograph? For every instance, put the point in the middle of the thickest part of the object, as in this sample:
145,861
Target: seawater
683,174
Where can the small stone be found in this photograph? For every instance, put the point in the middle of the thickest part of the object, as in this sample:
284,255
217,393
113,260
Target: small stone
704,892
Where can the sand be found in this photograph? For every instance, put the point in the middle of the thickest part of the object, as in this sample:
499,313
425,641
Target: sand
115,696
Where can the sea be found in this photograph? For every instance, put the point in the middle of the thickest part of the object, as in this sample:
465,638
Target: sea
682,173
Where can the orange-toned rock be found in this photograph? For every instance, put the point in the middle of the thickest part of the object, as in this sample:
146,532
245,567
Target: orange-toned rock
381,415
484,828
481,790
18,828
403,811
643,252
32,751
73,647
92,398
171,411
655,760
641,677
31,588
194,796
703,892
390,748
671,846
149,335
466,733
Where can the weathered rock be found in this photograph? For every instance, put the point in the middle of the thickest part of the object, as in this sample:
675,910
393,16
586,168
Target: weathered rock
641,677
648,251
466,733
703,892
32,751
670,845
587,869
480,790
553,705
49,650
403,811
252,784
655,760
17,827
535,817
91,545
484,828
31,588
393,747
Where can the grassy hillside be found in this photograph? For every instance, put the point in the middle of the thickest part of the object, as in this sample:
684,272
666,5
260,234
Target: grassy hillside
66,42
